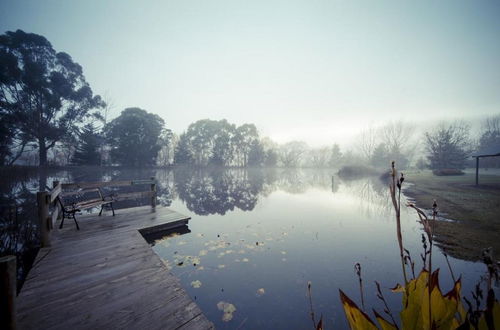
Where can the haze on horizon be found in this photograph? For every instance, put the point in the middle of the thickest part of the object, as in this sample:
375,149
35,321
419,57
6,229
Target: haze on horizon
317,71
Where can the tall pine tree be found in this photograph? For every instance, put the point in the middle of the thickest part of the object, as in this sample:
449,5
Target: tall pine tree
87,151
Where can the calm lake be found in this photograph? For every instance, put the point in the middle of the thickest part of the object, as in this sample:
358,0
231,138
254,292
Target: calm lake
257,237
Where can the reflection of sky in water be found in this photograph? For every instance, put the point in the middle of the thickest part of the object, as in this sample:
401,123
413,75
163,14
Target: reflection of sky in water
261,260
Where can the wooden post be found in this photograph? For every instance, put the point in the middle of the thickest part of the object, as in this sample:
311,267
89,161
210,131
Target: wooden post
153,190
43,200
477,170
8,292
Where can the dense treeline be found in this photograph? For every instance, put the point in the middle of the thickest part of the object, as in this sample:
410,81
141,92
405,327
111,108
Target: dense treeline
50,116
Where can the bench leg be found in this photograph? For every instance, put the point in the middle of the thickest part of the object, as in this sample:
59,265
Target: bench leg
102,207
74,218
62,221
112,209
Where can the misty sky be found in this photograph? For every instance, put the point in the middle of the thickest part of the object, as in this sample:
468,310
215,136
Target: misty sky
312,70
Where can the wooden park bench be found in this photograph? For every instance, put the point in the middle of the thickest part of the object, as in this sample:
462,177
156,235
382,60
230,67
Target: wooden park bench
70,198
76,201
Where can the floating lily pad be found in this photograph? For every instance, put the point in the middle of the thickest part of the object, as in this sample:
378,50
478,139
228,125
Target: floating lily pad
196,284
203,253
228,309
221,266
245,260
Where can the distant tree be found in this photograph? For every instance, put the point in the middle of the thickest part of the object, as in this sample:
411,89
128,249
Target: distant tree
397,140
367,142
223,150
257,155
134,137
448,146
380,156
291,153
167,143
66,148
271,158
383,155
218,143
319,157
245,137
87,150
44,92
421,163
183,155
335,156
270,152
489,142
200,137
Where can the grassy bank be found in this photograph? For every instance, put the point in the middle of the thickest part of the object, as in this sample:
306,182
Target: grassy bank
476,210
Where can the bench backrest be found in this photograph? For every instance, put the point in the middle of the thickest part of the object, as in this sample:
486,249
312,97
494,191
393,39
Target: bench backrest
87,195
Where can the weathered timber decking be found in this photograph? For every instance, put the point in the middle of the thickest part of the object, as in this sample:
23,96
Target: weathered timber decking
106,276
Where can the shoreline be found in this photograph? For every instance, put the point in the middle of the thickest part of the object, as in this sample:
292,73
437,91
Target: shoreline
474,211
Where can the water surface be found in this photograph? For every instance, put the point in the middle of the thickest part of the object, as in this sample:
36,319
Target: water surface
258,237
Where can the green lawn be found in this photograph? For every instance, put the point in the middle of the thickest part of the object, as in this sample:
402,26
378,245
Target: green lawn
476,210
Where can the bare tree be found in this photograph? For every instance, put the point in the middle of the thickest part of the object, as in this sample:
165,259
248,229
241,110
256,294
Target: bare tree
291,153
397,141
489,141
319,157
367,141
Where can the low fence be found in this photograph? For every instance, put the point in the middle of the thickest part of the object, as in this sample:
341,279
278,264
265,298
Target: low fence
49,211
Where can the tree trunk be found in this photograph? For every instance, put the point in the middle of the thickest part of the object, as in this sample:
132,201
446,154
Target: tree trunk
42,152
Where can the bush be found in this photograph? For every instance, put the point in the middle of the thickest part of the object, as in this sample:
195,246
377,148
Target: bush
447,171
351,171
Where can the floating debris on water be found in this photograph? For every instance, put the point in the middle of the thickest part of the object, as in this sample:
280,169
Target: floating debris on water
196,284
261,292
228,309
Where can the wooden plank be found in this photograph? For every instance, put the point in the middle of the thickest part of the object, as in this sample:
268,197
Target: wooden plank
132,195
55,216
55,192
83,185
107,276
147,181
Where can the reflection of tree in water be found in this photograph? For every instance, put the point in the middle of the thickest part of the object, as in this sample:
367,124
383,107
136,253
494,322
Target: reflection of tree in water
372,193
217,191
18,217
298,181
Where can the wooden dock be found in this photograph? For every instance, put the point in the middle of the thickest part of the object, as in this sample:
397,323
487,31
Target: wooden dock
106,276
